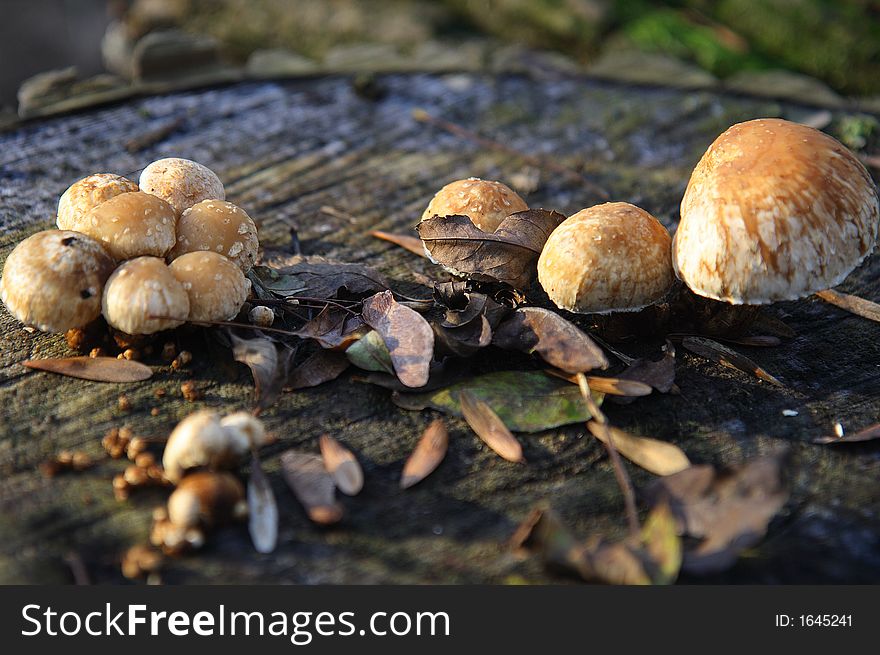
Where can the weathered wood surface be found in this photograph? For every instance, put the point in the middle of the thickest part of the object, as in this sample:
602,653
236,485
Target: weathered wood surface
287,150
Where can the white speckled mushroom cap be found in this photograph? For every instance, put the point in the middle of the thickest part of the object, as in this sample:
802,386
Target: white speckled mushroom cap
181,182
774,211
131,225
83,196
220,227
139,289
215,285
485,202
608,258
53,280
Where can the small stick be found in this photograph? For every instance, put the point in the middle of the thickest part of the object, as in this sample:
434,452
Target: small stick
629,494
852,304
424,117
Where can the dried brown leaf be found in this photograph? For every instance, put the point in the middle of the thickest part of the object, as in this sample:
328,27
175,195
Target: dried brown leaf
853,304
463,341
658,457
313,486
269,362
319,278
342,465
320,367
478,305
559,342
659,375
489,427
508,254
262,509
428,454
96,369
405,241
867,434
610,386
407,335
716,352
333,328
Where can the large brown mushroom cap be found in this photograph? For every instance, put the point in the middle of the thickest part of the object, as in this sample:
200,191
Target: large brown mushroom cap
220,227
53,280
83,196
141,289
131,225
612,257
774,211
485,202
215,285
181,183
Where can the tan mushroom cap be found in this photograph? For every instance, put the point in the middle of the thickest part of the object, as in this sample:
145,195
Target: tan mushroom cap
215,285
181,183
142,288
131,225
612,257
485,202
83,196
220,227
53,280
774,211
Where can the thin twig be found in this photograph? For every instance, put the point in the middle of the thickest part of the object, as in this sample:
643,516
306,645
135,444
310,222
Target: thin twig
225,324
853,304
629,494
424,117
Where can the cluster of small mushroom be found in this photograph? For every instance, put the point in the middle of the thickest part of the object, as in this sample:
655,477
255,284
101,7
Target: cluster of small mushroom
773,211
148,256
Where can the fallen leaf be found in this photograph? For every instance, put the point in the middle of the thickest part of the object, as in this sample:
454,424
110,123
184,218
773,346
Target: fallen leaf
441,374
489,427
508,254
313,486
453,294
559,342
659,375
658,457
608,386
262,509
853,304
405,241
370,354
342,465
428,454
269,363
407,335
462,341
868,434
478,305
96,369
320,367
716,352
526,401
662,544
333,328
320,278
764,322
728,511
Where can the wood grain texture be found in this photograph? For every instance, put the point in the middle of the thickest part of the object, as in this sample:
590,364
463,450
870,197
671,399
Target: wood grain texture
288,152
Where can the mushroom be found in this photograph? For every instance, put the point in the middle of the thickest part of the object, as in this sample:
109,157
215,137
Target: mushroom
53,280
220,227
181,182
215,285
205,499
83,196
140,290
774,211
131,225
485,202
608,258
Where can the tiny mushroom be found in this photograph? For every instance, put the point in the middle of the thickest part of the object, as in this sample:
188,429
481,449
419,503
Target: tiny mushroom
608,258
143,297
774,211
181,183
215,285
485,202
205,499
53,280
83,196
220,227
131,225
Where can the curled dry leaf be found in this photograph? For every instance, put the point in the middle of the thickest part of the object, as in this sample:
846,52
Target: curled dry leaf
262,509
490,428
728,511
320,367
407,335
370,354
96,369
463,341
867,434
319,278
313,486
559,342
716,352
853,304
508,254
659,375
269,363
478,305
428,454
342,465
658,457
333,328
405,241
526,401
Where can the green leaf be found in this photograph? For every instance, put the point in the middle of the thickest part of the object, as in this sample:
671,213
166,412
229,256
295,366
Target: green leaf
527,401
370,354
